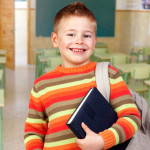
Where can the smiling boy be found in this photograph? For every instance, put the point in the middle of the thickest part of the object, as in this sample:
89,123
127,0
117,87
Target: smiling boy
56,94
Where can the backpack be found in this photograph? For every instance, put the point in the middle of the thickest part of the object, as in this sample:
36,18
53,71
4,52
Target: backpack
141,140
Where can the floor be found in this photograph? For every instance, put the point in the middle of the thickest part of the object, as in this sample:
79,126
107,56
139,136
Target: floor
18,87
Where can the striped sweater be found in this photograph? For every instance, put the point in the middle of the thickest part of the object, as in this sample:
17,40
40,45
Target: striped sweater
56,94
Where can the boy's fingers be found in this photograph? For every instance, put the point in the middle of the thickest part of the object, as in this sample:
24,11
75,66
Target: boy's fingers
85,127
79,142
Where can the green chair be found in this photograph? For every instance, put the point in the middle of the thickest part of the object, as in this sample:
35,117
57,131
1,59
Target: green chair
41,58
147,82
137,52
50,52
146,54
119,59
53,62
99,51
138,75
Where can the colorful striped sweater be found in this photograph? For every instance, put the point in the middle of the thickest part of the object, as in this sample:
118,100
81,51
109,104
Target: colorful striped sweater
56,94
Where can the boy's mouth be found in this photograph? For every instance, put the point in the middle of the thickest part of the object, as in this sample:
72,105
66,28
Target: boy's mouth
77,50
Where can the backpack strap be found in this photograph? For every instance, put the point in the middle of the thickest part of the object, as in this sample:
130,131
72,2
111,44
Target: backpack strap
102,79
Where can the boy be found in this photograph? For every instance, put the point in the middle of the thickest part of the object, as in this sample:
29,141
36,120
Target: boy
56,94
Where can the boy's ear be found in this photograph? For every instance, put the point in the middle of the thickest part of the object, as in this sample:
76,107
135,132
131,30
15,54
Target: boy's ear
95,39
54,39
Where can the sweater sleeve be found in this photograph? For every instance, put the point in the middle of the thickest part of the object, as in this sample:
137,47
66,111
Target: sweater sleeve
129,120
36,123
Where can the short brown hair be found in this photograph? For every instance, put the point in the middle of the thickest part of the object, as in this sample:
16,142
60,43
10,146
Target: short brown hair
74,9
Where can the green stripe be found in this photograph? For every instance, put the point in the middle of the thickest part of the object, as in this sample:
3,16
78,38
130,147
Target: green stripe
32,137
132,122
52,88
29,120
124,107
34,94
115,134
61,113
114,81
58,143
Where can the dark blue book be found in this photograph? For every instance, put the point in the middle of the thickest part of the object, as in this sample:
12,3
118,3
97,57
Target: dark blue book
96,113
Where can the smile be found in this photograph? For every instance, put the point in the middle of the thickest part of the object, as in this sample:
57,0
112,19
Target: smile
77,50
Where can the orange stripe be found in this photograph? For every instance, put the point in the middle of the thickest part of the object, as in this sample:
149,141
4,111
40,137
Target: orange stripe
58,124
73,146
35,125
128,111
63,91
119,89
117,85
33,142
60,119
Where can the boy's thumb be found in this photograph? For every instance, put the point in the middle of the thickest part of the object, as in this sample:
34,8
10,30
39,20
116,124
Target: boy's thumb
85,127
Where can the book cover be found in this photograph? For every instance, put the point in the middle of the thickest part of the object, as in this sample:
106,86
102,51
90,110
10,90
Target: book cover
95,112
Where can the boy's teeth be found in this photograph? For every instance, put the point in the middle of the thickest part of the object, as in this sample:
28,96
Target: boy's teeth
77,50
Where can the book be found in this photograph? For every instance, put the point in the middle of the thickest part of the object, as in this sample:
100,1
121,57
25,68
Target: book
95,111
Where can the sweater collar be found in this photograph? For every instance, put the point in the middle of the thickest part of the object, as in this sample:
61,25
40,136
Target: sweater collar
76,69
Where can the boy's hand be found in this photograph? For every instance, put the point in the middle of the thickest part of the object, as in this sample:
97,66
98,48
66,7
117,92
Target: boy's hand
92,141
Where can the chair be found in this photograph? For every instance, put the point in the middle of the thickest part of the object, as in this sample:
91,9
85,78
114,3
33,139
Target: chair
119,59
50,52
44,54
138,75
53,62
146,54
99,51
137,52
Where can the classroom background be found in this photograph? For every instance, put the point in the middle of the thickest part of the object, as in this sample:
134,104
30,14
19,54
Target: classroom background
26,53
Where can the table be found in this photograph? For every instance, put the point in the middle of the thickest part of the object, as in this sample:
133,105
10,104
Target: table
126,68
107,56
147,82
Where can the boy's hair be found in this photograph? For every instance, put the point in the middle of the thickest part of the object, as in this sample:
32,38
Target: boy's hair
74,9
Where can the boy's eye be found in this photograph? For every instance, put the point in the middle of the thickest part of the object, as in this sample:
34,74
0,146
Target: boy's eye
87,36
70,34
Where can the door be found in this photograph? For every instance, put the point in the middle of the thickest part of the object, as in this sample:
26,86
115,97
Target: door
7,35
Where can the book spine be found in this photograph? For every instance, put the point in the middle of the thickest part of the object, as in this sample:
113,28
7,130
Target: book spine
78,135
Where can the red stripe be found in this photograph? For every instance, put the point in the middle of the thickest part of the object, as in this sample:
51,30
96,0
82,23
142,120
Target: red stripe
64,98
54,130
127,133
116,95
54,74
34,130
39,109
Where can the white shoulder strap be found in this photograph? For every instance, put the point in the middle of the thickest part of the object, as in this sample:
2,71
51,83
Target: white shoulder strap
102,79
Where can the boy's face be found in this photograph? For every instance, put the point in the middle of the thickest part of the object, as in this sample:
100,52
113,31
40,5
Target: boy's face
76,40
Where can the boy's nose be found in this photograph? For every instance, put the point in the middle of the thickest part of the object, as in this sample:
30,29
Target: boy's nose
79,40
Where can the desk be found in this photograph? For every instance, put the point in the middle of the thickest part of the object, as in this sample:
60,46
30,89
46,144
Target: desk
126,68
107,56
147,82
